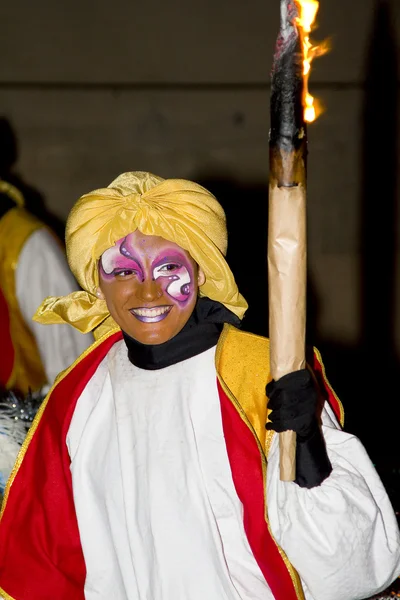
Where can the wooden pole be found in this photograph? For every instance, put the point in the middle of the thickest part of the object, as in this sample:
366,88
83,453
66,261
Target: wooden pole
287,256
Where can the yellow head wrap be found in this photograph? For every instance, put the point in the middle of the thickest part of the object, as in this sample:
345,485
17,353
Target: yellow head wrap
177,210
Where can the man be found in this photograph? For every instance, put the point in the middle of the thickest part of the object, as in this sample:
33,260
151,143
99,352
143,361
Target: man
32,267
145,475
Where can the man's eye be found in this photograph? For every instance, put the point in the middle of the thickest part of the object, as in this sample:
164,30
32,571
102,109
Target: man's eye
170,267
124,273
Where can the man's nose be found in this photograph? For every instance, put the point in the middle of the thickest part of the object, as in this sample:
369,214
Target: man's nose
149,290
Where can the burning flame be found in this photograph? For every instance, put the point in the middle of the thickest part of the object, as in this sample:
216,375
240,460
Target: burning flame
307,13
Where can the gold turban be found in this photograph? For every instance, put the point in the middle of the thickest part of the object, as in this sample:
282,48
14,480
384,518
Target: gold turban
177,210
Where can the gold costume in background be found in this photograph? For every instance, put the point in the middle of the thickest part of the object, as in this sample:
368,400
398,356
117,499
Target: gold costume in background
16,226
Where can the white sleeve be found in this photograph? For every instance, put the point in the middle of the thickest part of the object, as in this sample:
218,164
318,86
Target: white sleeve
43,271
342,536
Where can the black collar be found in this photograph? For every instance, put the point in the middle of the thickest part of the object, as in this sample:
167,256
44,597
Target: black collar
200,333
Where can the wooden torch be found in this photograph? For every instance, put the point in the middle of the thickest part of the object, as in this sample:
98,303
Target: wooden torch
287,210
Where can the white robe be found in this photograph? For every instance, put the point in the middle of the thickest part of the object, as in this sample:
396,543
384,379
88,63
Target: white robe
158,514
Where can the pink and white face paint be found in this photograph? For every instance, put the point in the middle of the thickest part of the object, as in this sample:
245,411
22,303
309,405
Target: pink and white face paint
139,263
178,278
123,260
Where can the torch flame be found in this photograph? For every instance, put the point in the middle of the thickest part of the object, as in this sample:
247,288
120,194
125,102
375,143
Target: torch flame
307,13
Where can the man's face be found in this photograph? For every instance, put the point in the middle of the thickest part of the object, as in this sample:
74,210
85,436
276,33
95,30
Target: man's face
150,286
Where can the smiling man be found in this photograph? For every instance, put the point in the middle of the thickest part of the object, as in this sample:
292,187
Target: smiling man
149,279
152,469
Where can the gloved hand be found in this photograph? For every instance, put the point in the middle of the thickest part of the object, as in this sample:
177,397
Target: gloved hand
293,400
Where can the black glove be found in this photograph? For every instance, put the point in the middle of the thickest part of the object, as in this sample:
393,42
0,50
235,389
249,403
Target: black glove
293,400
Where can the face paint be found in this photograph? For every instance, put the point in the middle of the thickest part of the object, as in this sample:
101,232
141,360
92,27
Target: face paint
150,286
178,277
117,261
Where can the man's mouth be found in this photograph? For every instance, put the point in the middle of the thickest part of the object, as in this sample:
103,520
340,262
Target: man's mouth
151,315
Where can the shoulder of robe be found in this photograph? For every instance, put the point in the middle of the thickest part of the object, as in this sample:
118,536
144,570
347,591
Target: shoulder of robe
242,358
242,363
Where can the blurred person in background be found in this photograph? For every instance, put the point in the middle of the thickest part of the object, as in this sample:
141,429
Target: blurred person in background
32,266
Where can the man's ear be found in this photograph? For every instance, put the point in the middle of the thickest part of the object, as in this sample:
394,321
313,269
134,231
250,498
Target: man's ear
201,278
99,294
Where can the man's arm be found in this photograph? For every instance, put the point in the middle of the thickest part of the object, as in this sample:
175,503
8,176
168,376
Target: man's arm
341,536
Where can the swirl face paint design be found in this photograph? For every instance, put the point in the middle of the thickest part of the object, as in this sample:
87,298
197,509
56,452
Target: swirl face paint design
157,280
119,261
179,280
116,261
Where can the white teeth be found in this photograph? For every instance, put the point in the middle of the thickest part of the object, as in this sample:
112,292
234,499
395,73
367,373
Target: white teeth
151,312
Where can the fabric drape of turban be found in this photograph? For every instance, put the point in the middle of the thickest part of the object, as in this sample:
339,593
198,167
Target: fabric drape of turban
179,211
